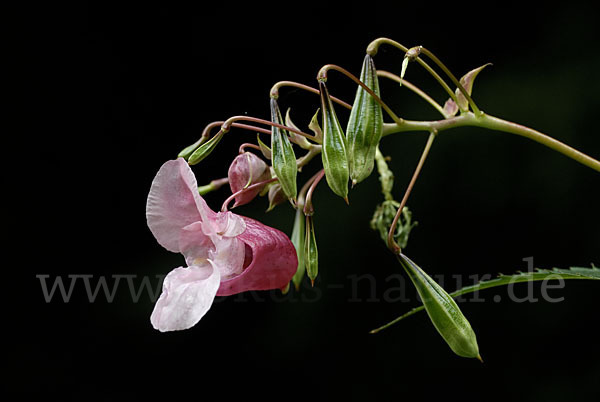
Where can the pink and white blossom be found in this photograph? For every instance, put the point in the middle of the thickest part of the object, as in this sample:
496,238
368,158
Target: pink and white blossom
225,253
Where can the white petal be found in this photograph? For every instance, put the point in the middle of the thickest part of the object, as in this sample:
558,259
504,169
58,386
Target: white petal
174,202
187,295
226,224
195,245
228,256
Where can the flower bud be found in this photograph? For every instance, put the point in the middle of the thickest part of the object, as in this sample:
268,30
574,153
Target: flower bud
335,159
443,311
284,158
247,169
276,196
410,55
365,125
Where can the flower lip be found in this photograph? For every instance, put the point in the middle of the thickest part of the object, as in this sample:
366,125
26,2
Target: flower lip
271,265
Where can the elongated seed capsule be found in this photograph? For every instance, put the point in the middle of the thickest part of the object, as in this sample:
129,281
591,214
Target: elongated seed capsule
443,311
282,153
187,151
298,240
311,254
365,125
205,149
335,159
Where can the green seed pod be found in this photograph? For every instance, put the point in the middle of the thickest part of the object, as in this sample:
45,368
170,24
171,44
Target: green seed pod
311,254
187,151
365,125
443,311
283,157
298,239
205,149
335,159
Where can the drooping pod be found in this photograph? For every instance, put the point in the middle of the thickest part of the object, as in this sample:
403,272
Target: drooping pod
282,154
311,254
298,239
365,125
205,149
443,311
335,158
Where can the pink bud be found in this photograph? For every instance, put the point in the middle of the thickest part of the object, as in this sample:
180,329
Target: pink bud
247,169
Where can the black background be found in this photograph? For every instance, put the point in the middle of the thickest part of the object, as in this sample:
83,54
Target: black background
113,90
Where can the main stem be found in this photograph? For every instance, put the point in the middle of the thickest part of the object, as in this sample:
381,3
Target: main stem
493,123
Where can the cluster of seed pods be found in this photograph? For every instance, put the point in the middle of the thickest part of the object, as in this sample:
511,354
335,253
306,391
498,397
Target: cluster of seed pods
348,157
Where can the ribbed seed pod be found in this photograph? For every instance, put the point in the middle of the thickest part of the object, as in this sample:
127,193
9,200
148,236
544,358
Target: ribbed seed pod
443,311
335,159
365,125
298,239
311,254
283,156
205,149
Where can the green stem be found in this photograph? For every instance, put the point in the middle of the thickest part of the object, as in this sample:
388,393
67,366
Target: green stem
312,152
213,185
437,77
454,80
374,46
414,88
493,123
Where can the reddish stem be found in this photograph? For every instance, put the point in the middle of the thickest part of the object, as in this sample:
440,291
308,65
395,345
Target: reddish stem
275,91
392,245
322,76
242,191
248,145
308,207
229,122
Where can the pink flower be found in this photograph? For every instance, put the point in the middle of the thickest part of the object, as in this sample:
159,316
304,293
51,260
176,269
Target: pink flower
247,169
225,253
